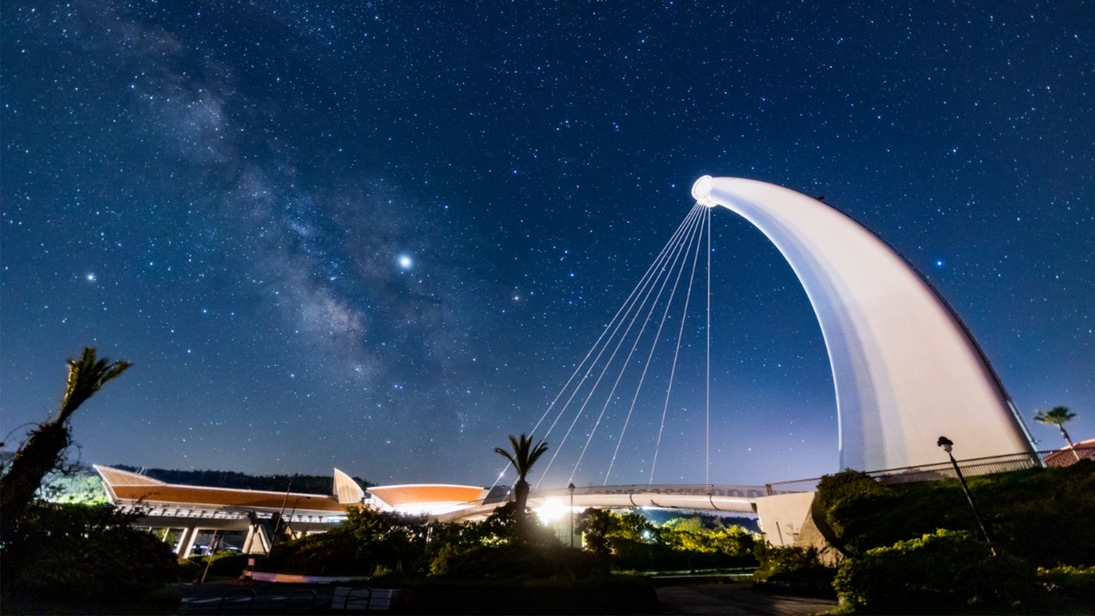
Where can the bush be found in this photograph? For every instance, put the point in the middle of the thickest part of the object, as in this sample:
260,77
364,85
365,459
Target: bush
864,514
858,510
1042,515
517,561
83,553
1075,583
190,570
631,542
942,571
369,540
792,568
222,564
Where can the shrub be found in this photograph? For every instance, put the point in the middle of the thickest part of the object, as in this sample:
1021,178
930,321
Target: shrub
1070,582
1016,507
1042,515
792,568
83,553
941,571
857,510
190,570
367,540
516,561
629,541
223,563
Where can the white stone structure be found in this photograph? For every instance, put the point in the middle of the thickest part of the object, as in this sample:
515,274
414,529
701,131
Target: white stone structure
905,368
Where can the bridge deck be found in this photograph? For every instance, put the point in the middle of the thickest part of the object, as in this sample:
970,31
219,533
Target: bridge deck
735,498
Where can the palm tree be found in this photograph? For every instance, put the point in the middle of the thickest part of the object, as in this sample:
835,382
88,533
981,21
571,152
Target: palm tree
1058,416
45,447
523,457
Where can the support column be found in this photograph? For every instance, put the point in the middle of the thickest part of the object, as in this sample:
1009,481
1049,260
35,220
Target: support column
186,541
256,542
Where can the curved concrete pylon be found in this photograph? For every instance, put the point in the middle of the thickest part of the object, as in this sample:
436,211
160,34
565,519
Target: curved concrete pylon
905,368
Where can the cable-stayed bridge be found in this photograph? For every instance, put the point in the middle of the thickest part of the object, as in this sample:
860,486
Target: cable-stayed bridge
905,368
704,497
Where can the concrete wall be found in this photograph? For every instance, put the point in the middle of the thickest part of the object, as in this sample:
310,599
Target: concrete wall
783,516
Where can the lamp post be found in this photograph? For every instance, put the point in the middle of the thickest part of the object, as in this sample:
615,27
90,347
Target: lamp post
571,489
284,501
947,446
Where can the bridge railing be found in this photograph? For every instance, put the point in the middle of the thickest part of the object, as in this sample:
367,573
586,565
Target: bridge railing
696,489
945,470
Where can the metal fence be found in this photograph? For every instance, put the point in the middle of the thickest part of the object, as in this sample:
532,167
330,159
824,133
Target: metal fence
944,470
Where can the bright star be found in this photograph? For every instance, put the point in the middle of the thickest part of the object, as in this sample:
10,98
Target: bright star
405,261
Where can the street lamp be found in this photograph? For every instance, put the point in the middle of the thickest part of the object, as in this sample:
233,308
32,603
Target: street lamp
571,489
284,501
947,446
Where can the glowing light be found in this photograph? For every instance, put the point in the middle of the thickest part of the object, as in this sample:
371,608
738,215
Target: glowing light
552,510
405,261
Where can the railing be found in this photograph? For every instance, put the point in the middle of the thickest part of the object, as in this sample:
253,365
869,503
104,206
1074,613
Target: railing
676,489
294,607
945,470
235,600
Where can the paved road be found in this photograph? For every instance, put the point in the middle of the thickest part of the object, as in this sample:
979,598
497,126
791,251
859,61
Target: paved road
230,597
736,599
713,598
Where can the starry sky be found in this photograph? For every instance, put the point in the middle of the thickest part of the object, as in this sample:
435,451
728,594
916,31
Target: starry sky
380,236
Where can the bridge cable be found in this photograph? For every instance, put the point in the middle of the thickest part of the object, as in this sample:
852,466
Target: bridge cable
627,361
623,369
645,370
646,278
687,228
643,286
638,289
676,352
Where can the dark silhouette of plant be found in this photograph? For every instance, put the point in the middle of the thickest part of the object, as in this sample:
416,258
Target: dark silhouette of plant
1058,416
522,458
369,542
595,525
65,556
44,448
942,572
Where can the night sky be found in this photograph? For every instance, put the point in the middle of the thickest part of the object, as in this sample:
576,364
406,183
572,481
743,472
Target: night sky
380,236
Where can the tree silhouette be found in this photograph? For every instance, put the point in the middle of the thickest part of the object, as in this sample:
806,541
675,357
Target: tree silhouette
45,446
1058,416
523,457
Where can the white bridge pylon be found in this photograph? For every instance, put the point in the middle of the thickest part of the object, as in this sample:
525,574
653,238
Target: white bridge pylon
905,368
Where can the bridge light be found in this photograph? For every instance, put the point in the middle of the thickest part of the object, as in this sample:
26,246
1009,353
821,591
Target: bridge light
551,510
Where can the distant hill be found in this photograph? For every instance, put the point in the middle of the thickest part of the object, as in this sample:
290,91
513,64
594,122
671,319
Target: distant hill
305,484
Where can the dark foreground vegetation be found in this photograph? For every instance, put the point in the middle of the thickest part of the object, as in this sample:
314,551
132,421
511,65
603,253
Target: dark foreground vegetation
374,543
493,567
904,549
75,558
914,548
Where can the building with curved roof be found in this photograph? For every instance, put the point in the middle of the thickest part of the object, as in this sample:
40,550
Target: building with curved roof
261,515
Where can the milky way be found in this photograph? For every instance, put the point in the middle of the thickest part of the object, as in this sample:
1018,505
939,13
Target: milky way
380,236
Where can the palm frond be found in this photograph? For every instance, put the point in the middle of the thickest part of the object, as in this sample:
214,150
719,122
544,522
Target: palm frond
86,376
1056,416
505,454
